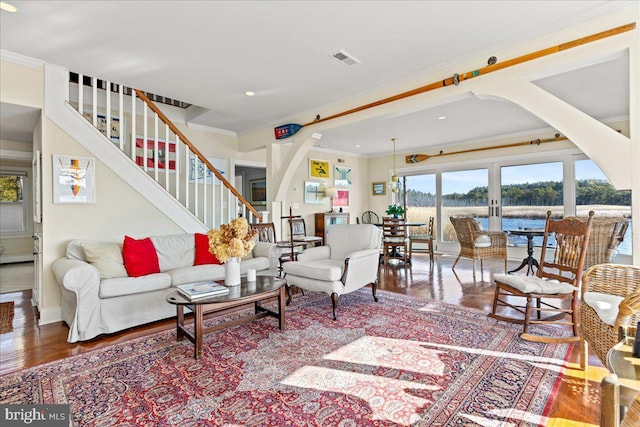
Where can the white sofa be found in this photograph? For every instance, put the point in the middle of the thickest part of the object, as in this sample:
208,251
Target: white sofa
348,262
92,306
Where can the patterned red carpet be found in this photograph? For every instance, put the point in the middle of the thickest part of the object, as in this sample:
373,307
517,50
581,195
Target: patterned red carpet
402,361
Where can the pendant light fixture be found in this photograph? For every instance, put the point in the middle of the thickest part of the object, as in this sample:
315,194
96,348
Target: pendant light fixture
394,184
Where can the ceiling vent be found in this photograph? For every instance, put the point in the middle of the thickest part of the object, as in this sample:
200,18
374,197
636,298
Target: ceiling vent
345,58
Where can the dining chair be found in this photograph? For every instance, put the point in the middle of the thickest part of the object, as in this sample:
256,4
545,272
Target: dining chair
423,238
475,243
558,278
394,238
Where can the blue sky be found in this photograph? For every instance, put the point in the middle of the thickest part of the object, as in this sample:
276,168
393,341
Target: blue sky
461,182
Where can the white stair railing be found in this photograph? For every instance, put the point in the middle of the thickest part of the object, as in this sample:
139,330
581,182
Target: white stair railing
132,122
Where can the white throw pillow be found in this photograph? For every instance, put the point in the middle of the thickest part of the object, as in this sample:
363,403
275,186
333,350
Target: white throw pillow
106,257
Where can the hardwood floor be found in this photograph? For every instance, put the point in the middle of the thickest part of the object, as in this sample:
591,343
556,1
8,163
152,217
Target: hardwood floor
579,396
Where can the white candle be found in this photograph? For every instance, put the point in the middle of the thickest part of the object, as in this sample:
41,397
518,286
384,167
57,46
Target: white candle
251,275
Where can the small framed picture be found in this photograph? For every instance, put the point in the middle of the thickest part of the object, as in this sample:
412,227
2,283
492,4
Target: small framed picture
343,176
258,191
318,169
342,200
74,179
314,192
378,189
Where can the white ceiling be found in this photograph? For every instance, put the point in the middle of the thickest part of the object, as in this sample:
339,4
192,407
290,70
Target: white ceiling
208,53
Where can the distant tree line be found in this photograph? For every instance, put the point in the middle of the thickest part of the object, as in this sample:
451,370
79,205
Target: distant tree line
547,193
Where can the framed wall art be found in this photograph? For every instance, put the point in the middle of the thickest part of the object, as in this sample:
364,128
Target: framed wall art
314,192
219,164
258,191
101,124
343,176
378,189
74,179
318,169
166,154
342,200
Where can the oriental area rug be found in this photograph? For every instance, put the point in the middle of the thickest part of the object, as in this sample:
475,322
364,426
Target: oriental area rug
402,361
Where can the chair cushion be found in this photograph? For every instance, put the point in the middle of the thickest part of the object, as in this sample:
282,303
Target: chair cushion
482,241
605,305
534,284
325,269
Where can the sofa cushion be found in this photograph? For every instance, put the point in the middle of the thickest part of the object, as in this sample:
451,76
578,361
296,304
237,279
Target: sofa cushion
196,273
203,255
140,257
106,257
605,305
120,286
174,251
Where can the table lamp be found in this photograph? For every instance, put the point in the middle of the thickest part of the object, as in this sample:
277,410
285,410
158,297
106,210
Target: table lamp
331,192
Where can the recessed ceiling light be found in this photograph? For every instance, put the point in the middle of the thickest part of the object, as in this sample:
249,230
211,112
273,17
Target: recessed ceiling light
358,146
8,7
442,117
249,93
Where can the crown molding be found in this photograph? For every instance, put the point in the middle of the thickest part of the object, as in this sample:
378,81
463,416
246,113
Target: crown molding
16,58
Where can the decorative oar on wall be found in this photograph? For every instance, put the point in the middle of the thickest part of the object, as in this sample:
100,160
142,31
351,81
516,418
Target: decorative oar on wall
285,131
417,158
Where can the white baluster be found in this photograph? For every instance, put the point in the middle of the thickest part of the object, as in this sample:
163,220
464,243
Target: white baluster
108,115
195,185
133,125
156,157
144,135
81,94
121,116
167,156
94,86
177,166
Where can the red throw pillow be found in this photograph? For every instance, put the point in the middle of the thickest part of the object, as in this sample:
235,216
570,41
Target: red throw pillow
203,256
140,257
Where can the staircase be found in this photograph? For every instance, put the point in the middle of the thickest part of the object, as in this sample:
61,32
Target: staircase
141,130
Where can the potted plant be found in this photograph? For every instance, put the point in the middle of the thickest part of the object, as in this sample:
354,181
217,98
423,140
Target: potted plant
395,210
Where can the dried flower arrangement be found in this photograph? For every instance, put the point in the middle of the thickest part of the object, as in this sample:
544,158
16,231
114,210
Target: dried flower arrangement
233,240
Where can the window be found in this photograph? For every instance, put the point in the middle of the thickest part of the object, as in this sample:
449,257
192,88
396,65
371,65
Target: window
595,192
527,193
13,215
464,193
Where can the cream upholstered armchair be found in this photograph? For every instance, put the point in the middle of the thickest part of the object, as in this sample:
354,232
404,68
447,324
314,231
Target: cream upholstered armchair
347,262
610,301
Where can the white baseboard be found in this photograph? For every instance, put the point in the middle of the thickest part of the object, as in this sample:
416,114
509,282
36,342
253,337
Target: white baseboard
50,315
6,259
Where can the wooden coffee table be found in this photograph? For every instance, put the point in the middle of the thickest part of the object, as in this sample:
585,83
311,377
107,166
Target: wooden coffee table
265,287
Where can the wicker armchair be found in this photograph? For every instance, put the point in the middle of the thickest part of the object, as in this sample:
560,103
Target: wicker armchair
602,284
606,235
478,244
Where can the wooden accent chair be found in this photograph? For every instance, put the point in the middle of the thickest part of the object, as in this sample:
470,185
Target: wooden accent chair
476,243
558,278
394,239
610,301
606,235
299,233
370,217
266,232
423,238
